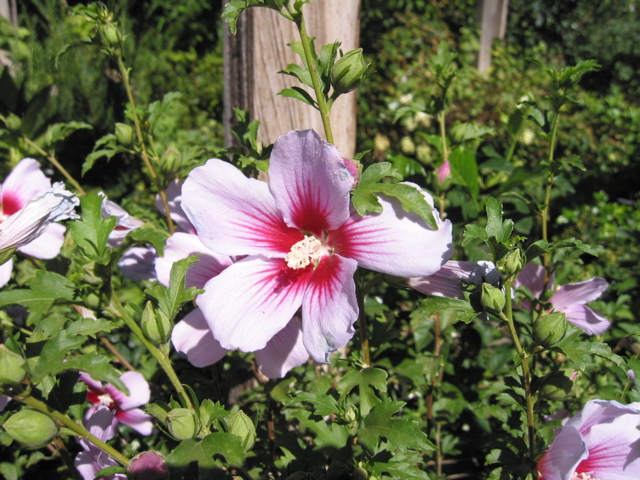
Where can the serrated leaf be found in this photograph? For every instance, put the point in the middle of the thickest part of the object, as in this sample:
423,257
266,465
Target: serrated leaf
156,238
580,352
398,470
91,232
574,161
323,404
327,434
298,71
401,434
202,452
90,327
367,380
231,12
171,298
431,305
299,94
45,289
96,365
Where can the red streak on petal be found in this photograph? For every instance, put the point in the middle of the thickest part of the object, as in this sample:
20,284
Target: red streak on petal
11,204
269,232
355,239
309,213
325,281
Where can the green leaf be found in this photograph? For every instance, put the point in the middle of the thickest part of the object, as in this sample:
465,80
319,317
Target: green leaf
90,327
202,452
96,365
232,11
60,131
403,435
464,170
463,132
171,298
574,161
328,434
109,471
156,238
431,305
367,380
580,352
323,403
45,289
299,94
398,470
91,232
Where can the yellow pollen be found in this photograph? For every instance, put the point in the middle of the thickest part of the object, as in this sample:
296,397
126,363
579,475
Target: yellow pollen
304,252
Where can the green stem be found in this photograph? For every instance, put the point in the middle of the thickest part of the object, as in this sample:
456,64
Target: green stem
163,360
323,107
362,326
443,135
71,425
547,194
124,72
55,163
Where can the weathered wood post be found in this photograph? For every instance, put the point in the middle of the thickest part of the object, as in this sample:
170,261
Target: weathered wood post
254,56
492,15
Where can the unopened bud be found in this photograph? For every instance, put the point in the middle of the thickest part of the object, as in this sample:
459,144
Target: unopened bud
550,329
241,425
124,134
351,415
155,324
348,71
148,466
512,263
492,298
111,35
31,428
12,370
556,386
182,423
13,122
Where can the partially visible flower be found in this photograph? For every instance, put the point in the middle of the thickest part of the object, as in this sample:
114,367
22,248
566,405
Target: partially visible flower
174,200
139,263
303,244
443,171
601,442
122,406
447,282
124,222
91,460
571,299
192,335
29,206
4,401
148,466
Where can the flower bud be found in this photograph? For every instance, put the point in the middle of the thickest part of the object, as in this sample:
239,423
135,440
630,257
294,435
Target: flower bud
124,134
549,329
348,71
12,370
148,466
31,428
351,415
512,263
182,423
13,122
492,298
155,324
241,425
111,36
556,386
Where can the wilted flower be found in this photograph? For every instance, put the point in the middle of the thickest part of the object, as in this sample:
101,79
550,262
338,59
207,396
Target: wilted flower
123,406
29,206
192,336
601,442
569,299
91,460
303,245
447,282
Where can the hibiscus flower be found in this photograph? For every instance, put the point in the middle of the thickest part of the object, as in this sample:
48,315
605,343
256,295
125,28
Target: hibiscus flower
303,243
192,336
122,406
29,206
91,460
447,282
602,442
571,299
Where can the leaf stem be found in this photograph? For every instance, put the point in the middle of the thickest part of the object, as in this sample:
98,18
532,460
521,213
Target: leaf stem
118,309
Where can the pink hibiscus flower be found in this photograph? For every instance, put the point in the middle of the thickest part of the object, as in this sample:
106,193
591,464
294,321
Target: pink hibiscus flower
192,336
91,460
571,299
28,207
601,442
122,406
302,243
447,282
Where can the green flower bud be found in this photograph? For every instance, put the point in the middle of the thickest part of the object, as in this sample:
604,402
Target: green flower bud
351,415
12,370
492,298
111,36
512,263
13,122
550,329
124,134
155,324
182,423
241,425
555,386
348,71
31,428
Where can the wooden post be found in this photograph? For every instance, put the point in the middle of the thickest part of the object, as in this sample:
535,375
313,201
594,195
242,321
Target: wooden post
492,15
254,56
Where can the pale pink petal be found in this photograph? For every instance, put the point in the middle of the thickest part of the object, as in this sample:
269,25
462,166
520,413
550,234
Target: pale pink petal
443,171
330,307
446,282
568,449
193,338
580,293
182,245
4,401
48,244
233,214
283,352
25,182
124,222
100,424
136,419
310,182
138,263
174,199
5,272
139,392
394,242
91,383
532,277
252,300
586,319
601,411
